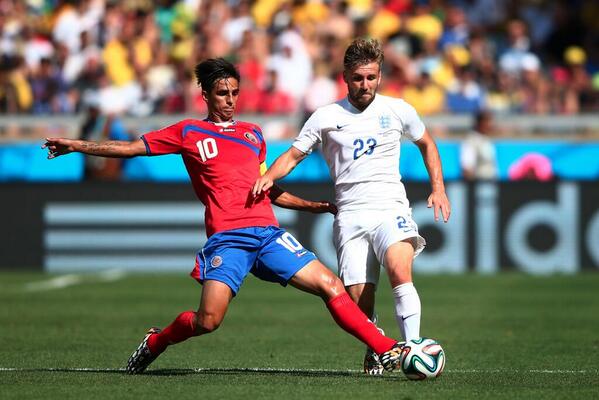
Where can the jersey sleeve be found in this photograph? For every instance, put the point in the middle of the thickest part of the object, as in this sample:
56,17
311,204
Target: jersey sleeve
310,135
168,140
262,154
412,123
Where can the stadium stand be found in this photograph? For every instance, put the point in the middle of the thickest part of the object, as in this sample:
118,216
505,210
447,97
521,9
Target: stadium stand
135,56
533,64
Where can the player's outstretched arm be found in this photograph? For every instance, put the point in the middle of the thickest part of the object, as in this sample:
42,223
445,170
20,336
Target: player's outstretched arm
282,166
438,199
113,148
285,199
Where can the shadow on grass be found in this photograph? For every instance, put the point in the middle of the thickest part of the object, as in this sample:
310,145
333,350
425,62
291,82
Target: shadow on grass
261,371
316,373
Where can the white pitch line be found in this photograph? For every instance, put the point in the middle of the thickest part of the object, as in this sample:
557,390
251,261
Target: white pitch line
293,370
61,282
61,369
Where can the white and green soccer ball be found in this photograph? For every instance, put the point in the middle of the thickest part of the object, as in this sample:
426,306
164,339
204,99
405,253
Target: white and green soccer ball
422,358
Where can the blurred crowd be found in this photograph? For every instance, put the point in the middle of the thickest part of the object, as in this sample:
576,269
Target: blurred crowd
136,57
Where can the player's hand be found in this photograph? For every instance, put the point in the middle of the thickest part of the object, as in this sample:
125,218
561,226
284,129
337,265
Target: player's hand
326,207
262,185
439,202
58,146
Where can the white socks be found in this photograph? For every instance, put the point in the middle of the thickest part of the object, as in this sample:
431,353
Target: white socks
407,310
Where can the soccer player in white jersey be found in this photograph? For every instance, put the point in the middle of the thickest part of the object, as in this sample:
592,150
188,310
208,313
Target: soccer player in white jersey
360,138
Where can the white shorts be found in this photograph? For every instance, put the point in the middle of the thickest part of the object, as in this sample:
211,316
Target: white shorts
363,237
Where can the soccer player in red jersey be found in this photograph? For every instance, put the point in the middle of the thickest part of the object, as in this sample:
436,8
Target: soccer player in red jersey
224,157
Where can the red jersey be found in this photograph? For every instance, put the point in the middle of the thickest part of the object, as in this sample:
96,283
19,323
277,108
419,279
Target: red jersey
223,163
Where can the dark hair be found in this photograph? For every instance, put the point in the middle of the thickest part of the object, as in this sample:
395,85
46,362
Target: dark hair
481,116
363,51
210,71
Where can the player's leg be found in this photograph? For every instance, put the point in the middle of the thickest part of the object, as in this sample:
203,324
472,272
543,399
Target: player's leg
317,279
283,259
221,267
363,295
396,243
359,271
398,262
215,300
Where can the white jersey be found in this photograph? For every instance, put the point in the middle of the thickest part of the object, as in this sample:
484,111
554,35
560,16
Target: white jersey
362,150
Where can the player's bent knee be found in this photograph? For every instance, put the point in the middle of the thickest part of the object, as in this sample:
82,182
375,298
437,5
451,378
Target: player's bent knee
207,323
399,276
331,286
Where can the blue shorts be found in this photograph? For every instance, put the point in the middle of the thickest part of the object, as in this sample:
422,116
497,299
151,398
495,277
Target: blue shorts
270,253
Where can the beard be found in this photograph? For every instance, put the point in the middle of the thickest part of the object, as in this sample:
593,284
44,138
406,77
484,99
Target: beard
362,99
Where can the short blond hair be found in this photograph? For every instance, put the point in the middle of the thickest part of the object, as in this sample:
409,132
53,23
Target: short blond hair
363,51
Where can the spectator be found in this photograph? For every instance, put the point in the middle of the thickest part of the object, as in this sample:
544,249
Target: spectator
539,61
533,87
425,96
579,79
383,22
292,64
75,61
160,78
98,126
513,58
45,85
321,91
273,100
456,30
464,93
253,74
15,92
117,58
240,22
484,13
338,23
36,46
477,158
423,23
67,25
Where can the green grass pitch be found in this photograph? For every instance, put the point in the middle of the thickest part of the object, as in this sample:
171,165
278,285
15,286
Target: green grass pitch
509,336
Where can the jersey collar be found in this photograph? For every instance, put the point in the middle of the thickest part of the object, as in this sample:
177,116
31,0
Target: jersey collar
222,124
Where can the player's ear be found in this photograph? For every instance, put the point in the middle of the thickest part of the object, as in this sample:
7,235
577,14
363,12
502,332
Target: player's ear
205,95
345,73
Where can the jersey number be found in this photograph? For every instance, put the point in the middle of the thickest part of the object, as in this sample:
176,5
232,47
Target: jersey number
359,146
403,224
207,148
289,242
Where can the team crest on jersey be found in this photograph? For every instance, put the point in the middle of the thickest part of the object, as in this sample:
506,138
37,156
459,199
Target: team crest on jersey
250,136
216,261
385,121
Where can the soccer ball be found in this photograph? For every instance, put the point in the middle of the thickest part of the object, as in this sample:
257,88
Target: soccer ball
422,358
